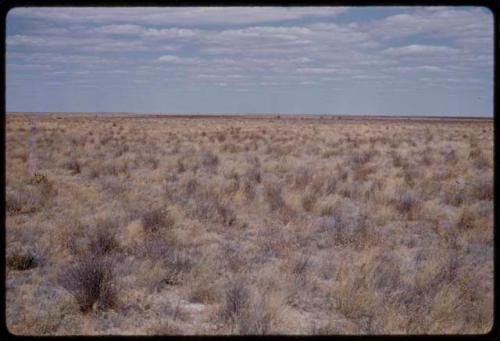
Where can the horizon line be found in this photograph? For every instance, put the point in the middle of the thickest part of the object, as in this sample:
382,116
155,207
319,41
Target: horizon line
251,114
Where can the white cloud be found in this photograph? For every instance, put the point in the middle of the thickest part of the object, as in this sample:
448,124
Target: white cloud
419,51
120,29
185,16
457,40
317,70
177,60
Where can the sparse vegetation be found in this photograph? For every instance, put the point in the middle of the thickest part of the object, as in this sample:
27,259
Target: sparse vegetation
249,226
90,281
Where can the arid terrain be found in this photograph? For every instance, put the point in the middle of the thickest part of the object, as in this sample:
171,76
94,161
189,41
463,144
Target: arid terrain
248,225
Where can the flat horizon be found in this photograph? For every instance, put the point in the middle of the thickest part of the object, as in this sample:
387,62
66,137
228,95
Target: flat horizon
214,114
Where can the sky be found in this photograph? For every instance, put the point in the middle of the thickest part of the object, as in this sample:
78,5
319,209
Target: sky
238,60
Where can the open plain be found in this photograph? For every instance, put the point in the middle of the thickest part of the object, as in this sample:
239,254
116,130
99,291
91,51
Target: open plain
248,225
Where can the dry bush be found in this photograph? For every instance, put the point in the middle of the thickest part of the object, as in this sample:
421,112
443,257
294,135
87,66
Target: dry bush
482,162
467,218
407,202
74,166
19,201
176,262
397,159
236,300
482,189
272,242
248,189
30,198
301,178
233,258
157,219
356,231
353,297
221,137
103,239
21,259
247,312
450,157
152,161
229,148
455,195
361,173
181,168
259,317
308,200
91,281
300,266
427,158
121,149
209,161
191,186
331,184
349,224
203,281
208,206
273,196
166,328
358,160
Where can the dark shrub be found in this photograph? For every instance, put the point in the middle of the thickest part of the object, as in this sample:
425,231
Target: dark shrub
397,160
74,166
209,160
302,177
273,196
21,259
406,202
192,187
156,219
236,300
177,262
331,184
90,280
308,201
104,239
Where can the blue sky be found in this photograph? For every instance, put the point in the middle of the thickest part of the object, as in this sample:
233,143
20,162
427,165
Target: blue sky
299,60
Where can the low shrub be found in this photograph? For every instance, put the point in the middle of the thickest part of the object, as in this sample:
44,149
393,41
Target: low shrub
407,202
273,196
236,300
209,160
103,240
156,219
74,166
91,281
19,259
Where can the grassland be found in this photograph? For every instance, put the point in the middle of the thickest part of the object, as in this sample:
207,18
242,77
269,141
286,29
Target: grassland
238,225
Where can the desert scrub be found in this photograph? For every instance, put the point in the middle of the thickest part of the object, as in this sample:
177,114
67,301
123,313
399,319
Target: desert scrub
273,196
19,201
155,219
407,203
208,209
103,239
209,161
301,178
175,261
21,259
91,281
30,198
247,312
482,189
74,166
236,300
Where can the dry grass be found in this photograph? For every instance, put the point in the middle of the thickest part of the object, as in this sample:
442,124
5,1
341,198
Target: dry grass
249,226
